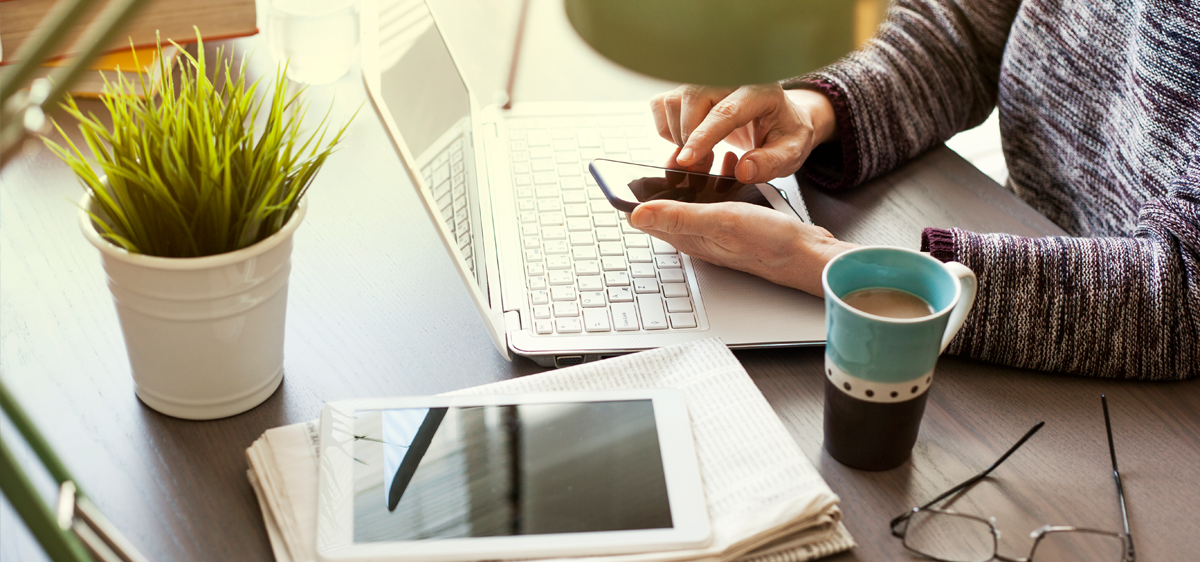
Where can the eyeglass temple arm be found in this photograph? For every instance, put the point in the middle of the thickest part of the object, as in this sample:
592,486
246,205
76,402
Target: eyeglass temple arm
968,483
1112,453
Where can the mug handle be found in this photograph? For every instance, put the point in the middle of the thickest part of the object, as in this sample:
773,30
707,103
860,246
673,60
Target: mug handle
966,300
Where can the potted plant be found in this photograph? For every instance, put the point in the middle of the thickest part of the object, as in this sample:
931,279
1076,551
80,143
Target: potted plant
198,192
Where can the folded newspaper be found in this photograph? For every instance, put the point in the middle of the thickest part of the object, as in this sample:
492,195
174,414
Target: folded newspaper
766,500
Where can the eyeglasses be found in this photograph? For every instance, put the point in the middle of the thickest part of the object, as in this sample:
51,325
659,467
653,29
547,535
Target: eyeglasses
949,536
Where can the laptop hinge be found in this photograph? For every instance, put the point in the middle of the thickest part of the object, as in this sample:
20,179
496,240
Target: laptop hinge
512,321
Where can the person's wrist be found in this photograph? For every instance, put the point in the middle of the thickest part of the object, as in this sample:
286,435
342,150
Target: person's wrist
820,113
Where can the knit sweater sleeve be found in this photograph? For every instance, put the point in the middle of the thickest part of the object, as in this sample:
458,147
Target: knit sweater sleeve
1107,307
930,72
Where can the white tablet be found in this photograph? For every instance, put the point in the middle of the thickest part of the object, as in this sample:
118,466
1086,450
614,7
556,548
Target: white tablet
504,477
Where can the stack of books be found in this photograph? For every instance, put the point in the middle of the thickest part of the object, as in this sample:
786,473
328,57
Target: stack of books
170,19
766,501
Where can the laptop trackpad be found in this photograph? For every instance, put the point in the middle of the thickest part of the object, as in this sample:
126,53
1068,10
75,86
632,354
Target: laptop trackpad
743,309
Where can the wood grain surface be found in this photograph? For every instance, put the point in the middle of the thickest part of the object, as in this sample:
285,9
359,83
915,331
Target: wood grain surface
376,309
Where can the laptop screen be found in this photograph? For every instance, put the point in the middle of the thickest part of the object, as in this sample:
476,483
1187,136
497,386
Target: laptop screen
427,98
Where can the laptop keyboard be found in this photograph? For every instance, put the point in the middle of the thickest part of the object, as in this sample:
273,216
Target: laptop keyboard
587,270
447,177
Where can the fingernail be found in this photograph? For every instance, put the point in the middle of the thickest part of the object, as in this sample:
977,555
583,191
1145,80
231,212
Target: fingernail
641,217
748,169
685,155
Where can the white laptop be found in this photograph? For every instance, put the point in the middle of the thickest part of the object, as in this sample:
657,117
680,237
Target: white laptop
550,264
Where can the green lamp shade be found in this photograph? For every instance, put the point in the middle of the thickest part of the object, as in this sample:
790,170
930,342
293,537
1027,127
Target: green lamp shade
724,42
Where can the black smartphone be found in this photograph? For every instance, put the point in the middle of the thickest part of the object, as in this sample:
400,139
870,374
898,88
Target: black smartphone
626,185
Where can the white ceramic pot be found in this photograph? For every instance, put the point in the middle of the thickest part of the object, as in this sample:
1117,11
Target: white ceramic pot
204,335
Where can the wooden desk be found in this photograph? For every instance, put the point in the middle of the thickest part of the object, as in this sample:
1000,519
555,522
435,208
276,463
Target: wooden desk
376,309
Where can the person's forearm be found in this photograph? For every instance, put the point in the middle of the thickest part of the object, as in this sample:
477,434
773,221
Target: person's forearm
819,109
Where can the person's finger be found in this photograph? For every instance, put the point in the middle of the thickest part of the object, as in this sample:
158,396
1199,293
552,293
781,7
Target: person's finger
779,157
671,105
728,163
695,103
658,109
674,217
734,111
702,166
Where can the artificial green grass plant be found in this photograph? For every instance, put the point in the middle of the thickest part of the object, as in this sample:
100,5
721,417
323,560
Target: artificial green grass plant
190,171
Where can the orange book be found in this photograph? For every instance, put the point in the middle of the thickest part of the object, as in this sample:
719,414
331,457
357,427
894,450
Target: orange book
216,19
91,84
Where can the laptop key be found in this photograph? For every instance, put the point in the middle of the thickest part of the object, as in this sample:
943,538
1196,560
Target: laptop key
679,304
592,299
674,290
642,270
624,317
567,293
671,275
535,269
541,311
581,239
575,196
542,165
576,210
587,268
608,234
584,252
638,240
543,326
571,183
551,219
616,279
640,255
565,170
591,283
529,216
595,319
613,263
644,286
620,294
556,247
537,283
554,233
547,191
576,224
561,277
667,262
683,320
566,309
612,249
557,262
653,316
539,297
542,178
568,325
605,220
531,242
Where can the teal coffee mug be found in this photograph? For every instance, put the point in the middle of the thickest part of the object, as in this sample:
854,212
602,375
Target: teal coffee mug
879,364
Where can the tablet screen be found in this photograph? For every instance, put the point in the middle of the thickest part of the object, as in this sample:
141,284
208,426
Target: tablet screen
485,471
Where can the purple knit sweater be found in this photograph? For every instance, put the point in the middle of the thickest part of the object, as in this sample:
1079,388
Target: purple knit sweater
1100,118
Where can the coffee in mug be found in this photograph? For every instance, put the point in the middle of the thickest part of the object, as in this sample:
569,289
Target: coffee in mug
892,303
889,313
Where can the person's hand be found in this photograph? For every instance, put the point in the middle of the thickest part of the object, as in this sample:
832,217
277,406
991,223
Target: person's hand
746,237
777,128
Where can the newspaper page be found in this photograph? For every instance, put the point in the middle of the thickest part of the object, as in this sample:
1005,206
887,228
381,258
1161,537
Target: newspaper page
766,500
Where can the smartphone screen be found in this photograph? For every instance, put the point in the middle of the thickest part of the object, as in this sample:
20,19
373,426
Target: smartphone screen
627,184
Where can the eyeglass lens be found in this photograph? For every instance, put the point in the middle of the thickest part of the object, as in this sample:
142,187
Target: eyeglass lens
950,537
1078,546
